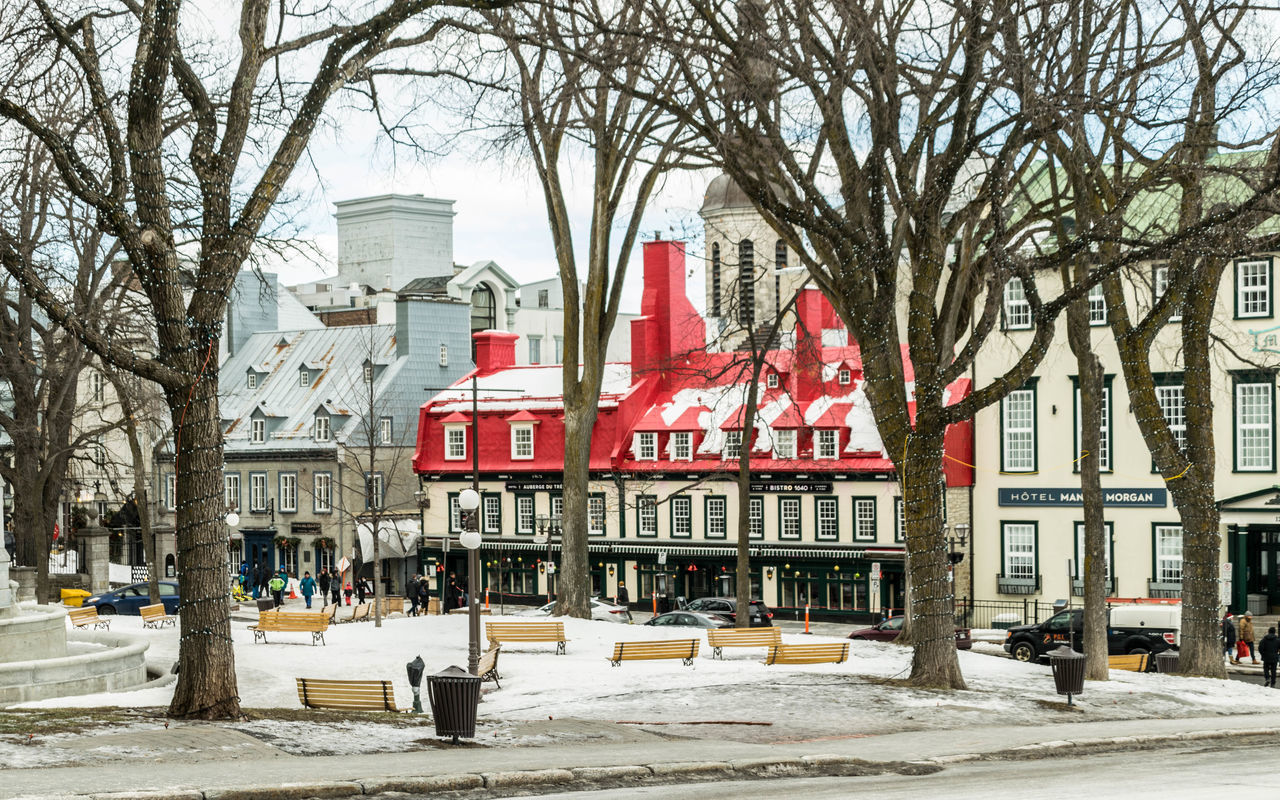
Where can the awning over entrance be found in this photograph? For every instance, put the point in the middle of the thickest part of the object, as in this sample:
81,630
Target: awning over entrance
399,537
685,551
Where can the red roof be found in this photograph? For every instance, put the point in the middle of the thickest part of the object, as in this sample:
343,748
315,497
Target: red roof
834,417
789,418
523,415
455,418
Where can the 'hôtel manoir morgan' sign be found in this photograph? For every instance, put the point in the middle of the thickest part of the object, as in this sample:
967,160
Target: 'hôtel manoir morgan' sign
1131,498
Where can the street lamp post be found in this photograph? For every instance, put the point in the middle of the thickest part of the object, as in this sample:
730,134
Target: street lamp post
548,526
955,557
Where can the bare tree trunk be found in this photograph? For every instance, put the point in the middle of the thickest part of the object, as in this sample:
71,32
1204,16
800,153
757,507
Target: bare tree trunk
743,587
574,597
206,687
136,453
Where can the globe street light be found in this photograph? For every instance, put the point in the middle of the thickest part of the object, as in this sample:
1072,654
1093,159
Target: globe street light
469,502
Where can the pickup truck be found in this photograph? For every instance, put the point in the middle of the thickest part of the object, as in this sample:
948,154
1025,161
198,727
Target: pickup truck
1130,629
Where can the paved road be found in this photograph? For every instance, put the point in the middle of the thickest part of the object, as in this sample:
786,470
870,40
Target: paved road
1220,769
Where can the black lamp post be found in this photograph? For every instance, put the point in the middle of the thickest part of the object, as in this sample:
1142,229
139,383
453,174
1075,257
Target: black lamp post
548,526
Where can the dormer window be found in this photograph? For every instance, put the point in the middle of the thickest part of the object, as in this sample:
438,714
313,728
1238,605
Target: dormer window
455,442
844,377
825,444
771,380
251,380
646,447
304,377
257,430
682,446
784,444
522,441
368,373
732,445
320,428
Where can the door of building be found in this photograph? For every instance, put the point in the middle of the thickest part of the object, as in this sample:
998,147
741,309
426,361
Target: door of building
1263,559
260,551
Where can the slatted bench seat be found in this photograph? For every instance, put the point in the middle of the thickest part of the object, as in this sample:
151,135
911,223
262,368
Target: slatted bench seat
84,617
153,616
499,632
290,621
684,649
330,612
359,612
346,695
392,605
834,653
742,637
487,667
1134,663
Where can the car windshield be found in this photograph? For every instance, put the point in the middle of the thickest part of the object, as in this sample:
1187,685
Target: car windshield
892,624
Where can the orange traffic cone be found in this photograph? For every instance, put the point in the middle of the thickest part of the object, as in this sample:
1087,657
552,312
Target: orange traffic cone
293,593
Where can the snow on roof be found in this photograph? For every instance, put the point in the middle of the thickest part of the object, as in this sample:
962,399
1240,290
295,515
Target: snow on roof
532,387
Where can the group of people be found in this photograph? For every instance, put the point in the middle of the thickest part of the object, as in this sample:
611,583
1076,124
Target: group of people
1238,644
257,581
418,593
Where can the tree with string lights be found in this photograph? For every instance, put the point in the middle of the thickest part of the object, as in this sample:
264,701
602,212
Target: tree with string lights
180,142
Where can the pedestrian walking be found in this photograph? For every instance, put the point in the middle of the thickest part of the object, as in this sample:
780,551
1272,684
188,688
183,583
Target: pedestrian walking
322,581
424,594
1229,637
411,594
346,590
276,587
1246,635
335,585
258,581
361,590
622,598
308,587
1269,650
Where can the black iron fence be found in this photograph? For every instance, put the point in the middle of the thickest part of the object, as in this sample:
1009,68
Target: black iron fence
1001,613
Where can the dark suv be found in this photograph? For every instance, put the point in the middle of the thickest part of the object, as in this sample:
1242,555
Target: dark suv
1033,642
760,615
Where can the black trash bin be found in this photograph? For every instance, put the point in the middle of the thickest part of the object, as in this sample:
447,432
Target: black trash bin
1167,662
266,604
454,695
1068,671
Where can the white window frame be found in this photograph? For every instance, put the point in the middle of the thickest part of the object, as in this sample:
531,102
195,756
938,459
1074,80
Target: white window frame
559,348
826,444
1104,439
1018,550
258,494
1168,553
647,516
1173,405
1160,287
784,444
1109,532
170,491
522,441
386,428
368,373
1017,309
304,378
375,495
899,520
1253,288
251,380
491,516
288,492
1255,432
535,349
732,446
455,442
257,430
646,446
1097,306
525,518
231,490
826,513
596,518
717,518
789,520
96,386
322,493
321,430
771,380
844,377
1018,431
755,517
864,519
681,517
681,446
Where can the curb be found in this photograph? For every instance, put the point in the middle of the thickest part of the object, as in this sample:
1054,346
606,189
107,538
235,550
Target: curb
531,781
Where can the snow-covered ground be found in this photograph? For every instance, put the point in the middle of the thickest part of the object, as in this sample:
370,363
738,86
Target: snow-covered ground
541,691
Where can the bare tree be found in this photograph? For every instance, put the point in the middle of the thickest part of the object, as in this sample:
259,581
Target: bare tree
167,152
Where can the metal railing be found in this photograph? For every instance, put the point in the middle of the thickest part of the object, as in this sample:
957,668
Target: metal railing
1001,613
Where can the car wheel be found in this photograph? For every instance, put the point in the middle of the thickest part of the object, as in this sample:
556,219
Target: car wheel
1023,651
1138,650
106,611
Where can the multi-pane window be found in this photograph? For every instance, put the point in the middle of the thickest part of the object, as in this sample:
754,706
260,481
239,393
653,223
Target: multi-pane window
99,452
1173,405
251,380
258,491
304,377
1104,431
375,491
384,430
864,519
524,513
455,514
716,525
646,447
368,373
288,491
557,507
1253,289
784,444
444,355
320,427
899,520
1080,547
1168,549
595,515
844,377
1019,550
258,431
170,491
492,516
755,519
1160,287
231,490
647,515
1097,306
559,344
827,514
1255,416
715,280
825,443
322,492
96,382
746,283
681,517
1017,309
1018,431
732,445
789,517
544,298
779,264
771,380
535,349
682,446
455,442
522,442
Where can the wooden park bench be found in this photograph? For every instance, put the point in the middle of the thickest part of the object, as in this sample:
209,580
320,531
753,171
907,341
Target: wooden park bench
330,612
153,616
289,622
359,612
1134,663
684,649
742,637
834,653
346,695
392,605
499,632
487,668
84,617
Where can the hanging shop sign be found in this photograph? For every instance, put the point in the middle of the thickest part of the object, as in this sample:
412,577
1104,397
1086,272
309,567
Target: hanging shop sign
790,488
1071,496
535,486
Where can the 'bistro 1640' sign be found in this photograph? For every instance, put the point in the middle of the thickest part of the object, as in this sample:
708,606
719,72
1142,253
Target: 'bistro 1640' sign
1071,496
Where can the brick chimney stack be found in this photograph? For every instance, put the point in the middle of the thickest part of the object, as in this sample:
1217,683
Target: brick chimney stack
495,351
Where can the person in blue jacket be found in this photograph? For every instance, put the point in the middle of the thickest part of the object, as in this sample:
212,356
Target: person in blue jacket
308,587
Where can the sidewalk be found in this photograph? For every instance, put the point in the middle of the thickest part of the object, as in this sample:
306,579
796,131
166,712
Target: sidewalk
199,769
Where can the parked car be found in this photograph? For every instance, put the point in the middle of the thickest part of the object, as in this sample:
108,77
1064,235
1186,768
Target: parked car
889,630
691,619
131,598
600,610
1131,629
761,616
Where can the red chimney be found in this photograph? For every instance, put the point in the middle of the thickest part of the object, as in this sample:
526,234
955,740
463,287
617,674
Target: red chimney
495,350
669,327
813,313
